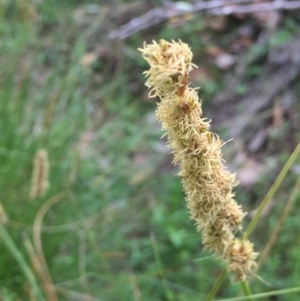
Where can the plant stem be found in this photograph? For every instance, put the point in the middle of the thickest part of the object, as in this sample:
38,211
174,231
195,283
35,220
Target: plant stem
272,191
246,289
216,286
22,263
267,294
286,211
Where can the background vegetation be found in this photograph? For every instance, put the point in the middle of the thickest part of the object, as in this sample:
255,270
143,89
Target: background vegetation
115,225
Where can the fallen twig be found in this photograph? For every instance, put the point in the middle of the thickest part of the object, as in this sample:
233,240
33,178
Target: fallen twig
214,7
257,7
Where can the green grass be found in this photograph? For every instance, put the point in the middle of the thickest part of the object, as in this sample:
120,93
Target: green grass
121,231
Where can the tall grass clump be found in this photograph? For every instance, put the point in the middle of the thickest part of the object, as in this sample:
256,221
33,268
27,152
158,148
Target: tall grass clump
207,183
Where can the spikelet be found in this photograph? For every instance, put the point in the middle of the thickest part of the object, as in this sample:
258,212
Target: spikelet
206,182
39,183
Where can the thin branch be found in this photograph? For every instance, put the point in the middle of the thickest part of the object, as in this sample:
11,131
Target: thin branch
257,7
214,7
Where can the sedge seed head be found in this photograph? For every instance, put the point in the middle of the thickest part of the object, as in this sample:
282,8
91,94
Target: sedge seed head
40,183
207,183
241,258
170,64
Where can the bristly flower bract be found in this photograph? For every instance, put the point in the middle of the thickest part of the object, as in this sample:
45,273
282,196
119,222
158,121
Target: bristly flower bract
207,183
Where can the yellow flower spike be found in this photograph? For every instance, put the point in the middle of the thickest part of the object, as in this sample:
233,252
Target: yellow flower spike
39,182
206,182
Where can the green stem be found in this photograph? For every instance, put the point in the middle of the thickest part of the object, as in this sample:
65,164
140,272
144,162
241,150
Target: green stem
289,205
246,289
272,191
216,286
22,263
267,294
